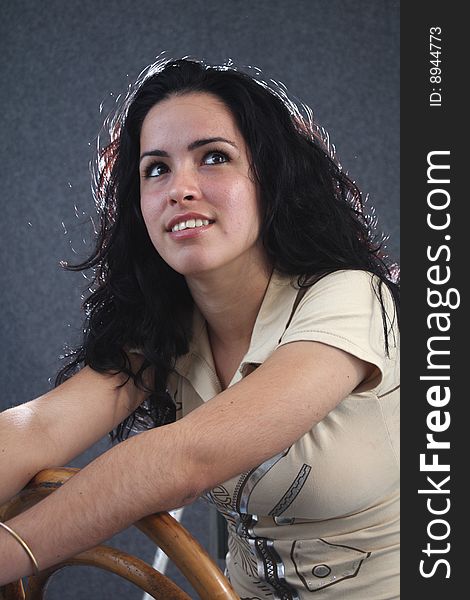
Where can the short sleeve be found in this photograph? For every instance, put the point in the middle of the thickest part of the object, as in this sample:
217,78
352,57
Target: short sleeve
343,310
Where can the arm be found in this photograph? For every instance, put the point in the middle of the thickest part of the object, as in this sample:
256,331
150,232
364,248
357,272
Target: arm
58,426
170,466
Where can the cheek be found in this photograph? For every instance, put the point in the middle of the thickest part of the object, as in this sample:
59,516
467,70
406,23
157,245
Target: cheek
152,221
145,214
149,208
248,209
239,200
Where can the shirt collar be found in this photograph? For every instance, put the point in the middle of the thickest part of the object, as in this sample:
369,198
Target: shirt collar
270,324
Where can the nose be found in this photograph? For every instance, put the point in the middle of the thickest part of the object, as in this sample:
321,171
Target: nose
184,186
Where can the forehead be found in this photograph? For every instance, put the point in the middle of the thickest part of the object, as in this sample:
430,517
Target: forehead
187,117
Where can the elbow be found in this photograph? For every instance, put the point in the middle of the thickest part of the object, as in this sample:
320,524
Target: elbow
198,466
197,481
178,477
191,494
199,477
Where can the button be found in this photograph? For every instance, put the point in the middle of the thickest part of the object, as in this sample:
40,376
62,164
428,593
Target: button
321,570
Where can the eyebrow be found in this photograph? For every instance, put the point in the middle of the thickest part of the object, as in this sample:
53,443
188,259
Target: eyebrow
191,146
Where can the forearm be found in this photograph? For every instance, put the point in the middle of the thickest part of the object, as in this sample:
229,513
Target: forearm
147,473
18,456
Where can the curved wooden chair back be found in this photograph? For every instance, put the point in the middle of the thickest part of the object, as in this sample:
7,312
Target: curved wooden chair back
169,535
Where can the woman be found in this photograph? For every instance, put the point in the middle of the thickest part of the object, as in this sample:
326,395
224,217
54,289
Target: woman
242,302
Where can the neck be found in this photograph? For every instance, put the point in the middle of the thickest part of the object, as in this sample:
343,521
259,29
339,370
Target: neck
230,301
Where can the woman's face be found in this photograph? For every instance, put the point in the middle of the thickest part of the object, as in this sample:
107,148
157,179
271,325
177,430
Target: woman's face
199,204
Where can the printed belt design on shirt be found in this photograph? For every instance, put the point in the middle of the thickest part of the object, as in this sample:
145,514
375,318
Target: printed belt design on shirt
290,495
257,555
317,563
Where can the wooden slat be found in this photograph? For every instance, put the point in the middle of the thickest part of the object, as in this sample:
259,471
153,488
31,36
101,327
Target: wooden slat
115,561
181,547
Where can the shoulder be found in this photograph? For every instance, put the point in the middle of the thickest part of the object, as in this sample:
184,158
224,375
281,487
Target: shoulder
356,283
347,294
351,310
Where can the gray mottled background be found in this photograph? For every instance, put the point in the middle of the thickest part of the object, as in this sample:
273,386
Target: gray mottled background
61,61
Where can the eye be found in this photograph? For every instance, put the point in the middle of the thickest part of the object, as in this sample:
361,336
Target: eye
155,169
216,157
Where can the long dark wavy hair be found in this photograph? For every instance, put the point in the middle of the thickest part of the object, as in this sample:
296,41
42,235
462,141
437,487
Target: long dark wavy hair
313,223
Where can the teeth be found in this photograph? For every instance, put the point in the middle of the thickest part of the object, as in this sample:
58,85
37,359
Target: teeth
190,224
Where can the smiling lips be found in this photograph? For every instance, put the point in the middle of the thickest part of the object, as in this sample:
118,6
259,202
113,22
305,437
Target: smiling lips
190,223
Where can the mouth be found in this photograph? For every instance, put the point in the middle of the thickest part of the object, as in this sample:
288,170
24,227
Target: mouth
189,231
190,224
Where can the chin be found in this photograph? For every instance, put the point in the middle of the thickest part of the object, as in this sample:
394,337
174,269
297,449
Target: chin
199,268
191,269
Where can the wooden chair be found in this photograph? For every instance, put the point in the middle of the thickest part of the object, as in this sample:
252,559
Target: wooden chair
171,537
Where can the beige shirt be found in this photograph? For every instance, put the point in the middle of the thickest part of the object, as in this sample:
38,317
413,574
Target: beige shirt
321,519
